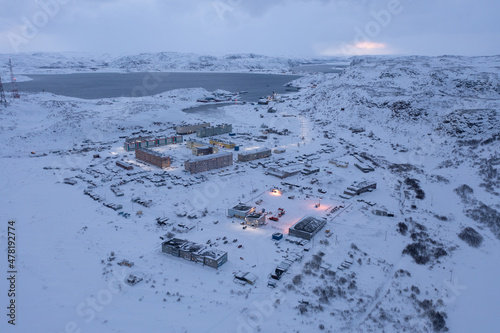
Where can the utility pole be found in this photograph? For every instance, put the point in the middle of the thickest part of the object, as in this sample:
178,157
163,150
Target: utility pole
14,90
3,100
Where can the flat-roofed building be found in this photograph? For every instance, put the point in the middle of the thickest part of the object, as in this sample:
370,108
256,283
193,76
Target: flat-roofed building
213,257
203,150
254,154
152,157
282,172
172,246
247,277
240,211
362,187
148,142
189,129
307,227
222,143
189,249
208,162
214,130
125,165
255,219
364,167
340,164
194,252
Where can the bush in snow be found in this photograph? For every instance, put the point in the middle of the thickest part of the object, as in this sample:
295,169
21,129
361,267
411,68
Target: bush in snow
418,251
402,228
487,215
297,279
437,320
415,186
464,191
471,237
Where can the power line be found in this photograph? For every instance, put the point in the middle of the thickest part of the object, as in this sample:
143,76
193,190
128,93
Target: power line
14,90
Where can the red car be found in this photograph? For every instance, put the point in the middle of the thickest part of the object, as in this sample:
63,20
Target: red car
274,218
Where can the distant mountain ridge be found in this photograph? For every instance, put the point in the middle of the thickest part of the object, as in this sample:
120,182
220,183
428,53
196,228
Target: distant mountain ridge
71,62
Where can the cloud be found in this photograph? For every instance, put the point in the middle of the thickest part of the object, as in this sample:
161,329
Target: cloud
273,27
361,48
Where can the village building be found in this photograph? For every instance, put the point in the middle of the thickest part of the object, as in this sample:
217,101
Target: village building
359,188
214,130
307,227
189,129
203,150
148,142
208,162
247,277
124,165
309,171
222,143
255,219
194,252
364,167
340,164
282,173
152,157
192,144
254,154
240,211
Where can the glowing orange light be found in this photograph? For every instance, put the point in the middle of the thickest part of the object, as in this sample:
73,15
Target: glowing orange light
370,45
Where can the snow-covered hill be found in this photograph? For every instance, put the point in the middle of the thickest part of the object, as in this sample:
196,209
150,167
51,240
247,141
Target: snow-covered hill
57,63
429,126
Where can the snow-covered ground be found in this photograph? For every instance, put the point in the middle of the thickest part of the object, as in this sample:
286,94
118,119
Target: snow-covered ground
428,126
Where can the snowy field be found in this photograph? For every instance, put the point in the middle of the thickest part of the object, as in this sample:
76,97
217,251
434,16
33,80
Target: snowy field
429,127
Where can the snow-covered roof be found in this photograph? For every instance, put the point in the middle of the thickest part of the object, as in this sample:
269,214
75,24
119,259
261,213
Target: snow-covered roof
212,253
209,157
255,151
309,224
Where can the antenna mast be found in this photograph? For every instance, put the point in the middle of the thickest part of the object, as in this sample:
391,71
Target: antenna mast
3,100
14,90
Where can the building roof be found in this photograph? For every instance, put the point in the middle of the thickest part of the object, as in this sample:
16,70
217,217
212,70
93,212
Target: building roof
194,125
308,224
218,126
255,151
152,152
364,184
197,141
192,247
176,242
281,172
138,139
212,253
209,157
242,207
254,216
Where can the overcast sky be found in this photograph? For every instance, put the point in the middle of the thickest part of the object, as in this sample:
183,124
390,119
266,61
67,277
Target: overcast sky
270,27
